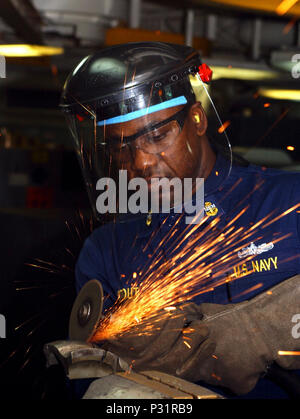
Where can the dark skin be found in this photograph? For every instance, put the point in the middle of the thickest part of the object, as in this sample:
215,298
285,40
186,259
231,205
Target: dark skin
190,156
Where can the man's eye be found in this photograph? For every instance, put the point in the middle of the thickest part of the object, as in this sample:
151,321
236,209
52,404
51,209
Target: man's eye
155,137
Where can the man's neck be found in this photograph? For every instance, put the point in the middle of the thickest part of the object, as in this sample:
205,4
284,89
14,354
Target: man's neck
208,159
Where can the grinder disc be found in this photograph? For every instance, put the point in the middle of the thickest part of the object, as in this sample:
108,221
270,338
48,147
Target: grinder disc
86,311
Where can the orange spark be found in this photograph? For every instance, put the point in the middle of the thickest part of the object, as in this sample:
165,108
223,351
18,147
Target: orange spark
166,283
54,70
288,352
224,127
290,148
281,215
186,344
289,26
255,287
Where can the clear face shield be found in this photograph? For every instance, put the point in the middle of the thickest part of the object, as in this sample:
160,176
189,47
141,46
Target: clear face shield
132,153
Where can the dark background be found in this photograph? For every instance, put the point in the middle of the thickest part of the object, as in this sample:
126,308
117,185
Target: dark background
44,209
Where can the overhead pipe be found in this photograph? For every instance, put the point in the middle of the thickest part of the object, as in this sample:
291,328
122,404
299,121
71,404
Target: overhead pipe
211,31
189,27
135,13
298,34
256,44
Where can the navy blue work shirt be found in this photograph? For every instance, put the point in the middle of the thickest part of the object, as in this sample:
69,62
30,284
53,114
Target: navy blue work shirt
114,252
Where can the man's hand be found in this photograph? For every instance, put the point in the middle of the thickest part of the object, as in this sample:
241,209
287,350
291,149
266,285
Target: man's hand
249,337
173,338
225,345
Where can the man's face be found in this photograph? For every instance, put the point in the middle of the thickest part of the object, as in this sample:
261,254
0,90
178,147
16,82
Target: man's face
180,159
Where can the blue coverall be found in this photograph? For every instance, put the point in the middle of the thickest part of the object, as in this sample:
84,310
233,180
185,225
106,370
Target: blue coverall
115,251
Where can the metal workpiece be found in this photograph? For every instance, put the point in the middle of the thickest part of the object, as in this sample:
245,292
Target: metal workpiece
146,385
83,360
118,387
114,378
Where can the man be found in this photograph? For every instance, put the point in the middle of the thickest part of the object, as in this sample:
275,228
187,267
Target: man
133,107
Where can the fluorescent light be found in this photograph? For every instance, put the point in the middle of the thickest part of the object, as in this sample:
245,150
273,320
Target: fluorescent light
285,60
220,72
273,6
280,94
24,50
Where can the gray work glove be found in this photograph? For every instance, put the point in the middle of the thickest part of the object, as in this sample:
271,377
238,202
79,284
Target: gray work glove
230,345
163,345
248,339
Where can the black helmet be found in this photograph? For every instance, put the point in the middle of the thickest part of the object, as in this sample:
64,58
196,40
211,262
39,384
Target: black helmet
126,78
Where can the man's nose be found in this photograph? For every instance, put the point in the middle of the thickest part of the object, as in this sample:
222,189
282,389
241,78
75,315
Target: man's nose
141,160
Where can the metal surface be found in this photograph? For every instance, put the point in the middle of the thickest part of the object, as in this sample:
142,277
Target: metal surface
86,311
116,387
146,385
81,360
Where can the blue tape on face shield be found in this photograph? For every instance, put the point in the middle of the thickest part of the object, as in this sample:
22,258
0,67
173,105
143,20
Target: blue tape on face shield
181,100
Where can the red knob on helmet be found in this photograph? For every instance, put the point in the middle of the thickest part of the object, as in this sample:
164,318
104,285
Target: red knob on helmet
205,73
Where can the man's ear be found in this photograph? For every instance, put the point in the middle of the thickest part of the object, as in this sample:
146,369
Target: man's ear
198,117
